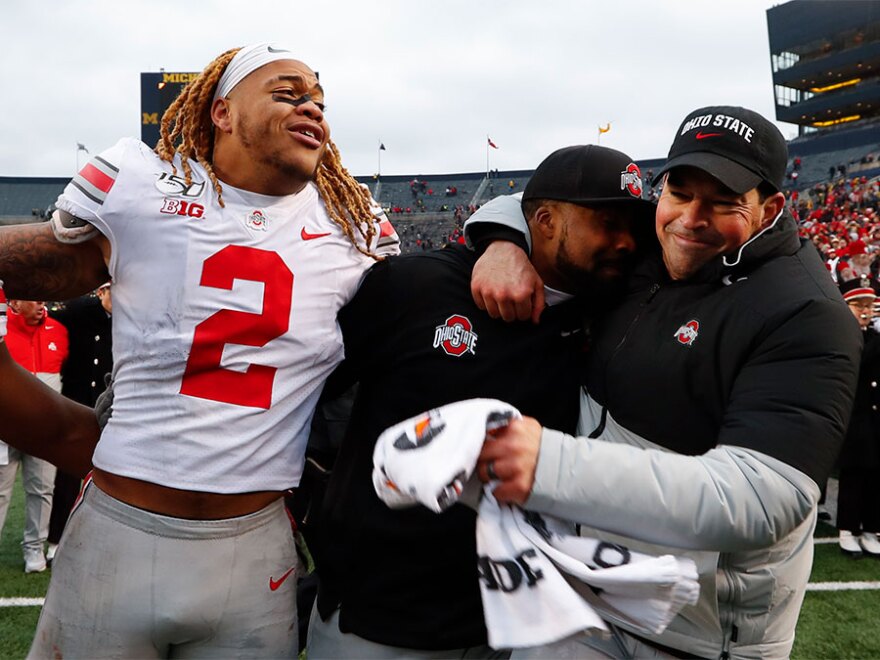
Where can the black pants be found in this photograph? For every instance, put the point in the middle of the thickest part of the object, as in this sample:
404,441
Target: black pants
66,490
858,500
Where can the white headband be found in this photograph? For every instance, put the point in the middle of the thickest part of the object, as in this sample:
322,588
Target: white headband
246,61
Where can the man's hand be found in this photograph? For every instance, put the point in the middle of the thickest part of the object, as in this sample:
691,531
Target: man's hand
104,402
511,457
506,285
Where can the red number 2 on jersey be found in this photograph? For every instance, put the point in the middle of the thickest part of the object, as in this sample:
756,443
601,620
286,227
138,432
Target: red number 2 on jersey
204,377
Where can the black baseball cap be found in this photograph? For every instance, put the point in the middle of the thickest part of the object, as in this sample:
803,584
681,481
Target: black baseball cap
737,146
587,175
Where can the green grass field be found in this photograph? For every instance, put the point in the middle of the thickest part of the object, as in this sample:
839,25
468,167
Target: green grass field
17,624
833,624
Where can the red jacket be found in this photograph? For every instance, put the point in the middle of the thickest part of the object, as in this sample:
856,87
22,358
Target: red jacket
41,349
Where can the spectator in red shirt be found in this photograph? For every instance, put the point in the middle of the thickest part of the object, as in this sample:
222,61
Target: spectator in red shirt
38,343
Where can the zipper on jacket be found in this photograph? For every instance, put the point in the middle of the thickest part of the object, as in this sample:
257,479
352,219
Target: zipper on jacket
725,610
725,650
651,293
36,346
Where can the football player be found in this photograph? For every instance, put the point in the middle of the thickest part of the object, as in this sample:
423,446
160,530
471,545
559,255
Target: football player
231,246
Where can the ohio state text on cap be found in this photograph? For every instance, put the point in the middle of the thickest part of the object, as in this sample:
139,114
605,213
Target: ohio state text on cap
737,146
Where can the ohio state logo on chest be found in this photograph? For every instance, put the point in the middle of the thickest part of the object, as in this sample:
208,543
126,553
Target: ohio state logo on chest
688,332
456,336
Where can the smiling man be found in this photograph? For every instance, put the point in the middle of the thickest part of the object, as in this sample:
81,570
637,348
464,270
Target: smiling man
404,583
717,395
231,248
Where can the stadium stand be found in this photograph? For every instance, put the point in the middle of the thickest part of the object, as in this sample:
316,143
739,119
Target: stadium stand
426,194
856,149
428,210
26,199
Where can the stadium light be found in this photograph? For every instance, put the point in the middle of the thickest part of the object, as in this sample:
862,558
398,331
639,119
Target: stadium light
832,122
828,88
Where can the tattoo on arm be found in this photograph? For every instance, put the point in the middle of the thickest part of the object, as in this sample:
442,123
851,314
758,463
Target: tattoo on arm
36,266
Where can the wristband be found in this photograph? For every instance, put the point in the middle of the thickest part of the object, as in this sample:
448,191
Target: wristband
2,312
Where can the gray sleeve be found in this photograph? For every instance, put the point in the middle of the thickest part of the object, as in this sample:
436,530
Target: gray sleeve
726,500
505,211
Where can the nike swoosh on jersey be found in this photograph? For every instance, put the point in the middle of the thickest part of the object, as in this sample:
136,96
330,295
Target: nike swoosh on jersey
702,136
274,584
306,236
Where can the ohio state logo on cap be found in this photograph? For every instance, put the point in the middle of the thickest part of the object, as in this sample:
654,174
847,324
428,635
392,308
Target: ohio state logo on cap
456,336
687,334
631,180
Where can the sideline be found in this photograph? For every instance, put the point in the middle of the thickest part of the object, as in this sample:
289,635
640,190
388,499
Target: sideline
842,586
21,602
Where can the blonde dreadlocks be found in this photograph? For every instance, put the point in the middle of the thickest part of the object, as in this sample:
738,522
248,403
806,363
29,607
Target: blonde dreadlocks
187,131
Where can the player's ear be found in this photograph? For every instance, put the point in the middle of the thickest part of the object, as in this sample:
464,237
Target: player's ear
220,115
545,221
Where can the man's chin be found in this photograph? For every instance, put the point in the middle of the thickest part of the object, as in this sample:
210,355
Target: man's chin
610,274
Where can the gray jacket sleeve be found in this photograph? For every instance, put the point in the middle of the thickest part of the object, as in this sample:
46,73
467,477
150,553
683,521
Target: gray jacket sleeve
726,500
506,211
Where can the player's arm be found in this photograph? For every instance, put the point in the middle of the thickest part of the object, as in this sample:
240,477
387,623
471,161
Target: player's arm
36,265
504,282
729,499
781,432
40,422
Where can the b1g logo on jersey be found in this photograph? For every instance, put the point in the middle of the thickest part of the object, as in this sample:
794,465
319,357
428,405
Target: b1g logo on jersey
257,220
631,180
176,186
687,334
456,336
180,207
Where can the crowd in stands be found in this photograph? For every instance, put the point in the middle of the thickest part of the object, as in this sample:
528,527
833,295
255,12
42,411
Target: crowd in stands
422,199
840,217
420,235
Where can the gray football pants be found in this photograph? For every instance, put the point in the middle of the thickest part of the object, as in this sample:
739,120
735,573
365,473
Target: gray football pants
326,641
38,479
128,583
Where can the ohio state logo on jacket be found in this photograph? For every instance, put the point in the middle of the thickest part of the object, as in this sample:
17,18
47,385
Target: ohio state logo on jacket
456,336
687,334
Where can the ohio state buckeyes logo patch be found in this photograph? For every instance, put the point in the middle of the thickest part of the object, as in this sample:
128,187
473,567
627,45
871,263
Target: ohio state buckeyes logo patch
257,220
687,334
456,336
631,180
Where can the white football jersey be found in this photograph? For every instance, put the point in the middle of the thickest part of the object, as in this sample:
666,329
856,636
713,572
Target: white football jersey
224,321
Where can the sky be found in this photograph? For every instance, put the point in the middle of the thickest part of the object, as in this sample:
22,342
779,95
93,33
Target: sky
429,80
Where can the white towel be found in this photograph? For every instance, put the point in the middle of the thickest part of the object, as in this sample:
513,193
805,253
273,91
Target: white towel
539,582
